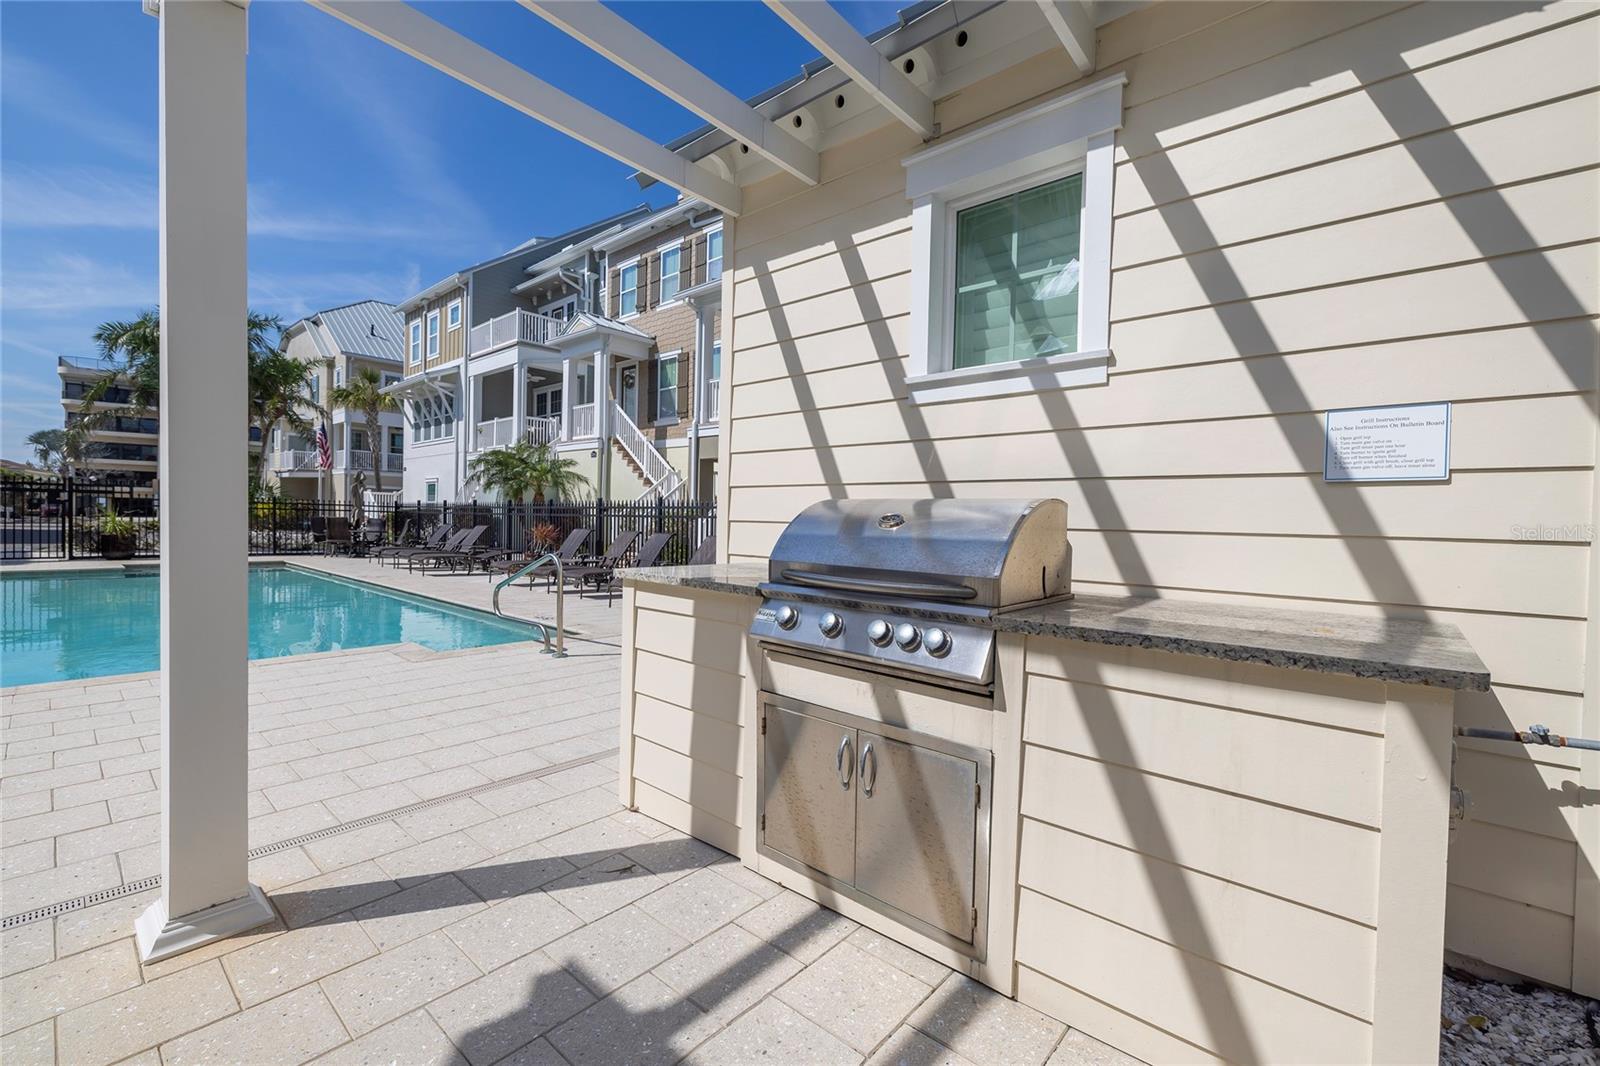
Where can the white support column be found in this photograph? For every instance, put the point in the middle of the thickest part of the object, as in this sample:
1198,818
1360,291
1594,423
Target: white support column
519,401
602,415
567,378
205,890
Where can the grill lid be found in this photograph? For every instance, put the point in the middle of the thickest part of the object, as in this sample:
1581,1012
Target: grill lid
992,554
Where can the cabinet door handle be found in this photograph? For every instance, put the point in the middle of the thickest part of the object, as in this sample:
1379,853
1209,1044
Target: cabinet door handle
843,763
869,769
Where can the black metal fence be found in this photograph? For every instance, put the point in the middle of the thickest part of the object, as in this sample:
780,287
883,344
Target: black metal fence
65,518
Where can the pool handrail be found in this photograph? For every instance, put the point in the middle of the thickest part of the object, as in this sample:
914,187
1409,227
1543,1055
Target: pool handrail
560,651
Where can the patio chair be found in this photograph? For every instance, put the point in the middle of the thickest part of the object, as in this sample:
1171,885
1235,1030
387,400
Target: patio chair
434,540
570,552
649,555
576,575
338,536
399,538
462,553
706,554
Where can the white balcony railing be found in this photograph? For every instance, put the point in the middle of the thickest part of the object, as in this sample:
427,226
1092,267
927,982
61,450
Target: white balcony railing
709,401
361,459
292,460
662,479
522,327
495,433
543,430
583,421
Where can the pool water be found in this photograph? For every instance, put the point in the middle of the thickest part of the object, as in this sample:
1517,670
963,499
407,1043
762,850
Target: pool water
66,625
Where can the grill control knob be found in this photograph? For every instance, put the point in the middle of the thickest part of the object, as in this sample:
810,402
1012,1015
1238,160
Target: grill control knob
831,624
788,617
879,632
906,635
937,641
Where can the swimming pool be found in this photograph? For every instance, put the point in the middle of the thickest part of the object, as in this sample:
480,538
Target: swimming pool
65,625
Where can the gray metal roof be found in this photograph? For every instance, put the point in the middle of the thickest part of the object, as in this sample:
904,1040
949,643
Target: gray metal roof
371,328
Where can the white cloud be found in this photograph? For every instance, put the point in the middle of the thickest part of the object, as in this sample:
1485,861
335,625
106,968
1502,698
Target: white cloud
66,282
41,91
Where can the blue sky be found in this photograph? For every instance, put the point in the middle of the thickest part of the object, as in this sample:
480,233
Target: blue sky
371,175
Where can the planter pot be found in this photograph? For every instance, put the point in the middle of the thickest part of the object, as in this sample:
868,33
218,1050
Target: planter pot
116,547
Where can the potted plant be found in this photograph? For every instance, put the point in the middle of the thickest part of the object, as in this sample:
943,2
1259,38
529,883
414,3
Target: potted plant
119,535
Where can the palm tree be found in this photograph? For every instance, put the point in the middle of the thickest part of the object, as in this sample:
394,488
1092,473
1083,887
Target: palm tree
49,448
526,469
136,345
364,392
280,391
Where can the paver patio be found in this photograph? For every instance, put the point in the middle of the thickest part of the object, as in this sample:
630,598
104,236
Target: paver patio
524,918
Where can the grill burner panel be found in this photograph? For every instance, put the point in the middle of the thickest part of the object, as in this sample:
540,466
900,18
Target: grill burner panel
955,651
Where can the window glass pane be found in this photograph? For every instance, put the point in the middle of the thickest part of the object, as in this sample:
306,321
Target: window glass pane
1017,275
667,389
714,255
669,273
455,315
716,362
628,301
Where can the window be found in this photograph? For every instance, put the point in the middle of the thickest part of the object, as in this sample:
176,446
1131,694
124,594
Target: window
583,384
432,418
431,490
397,442
671,263
338,374
714,254
358,440
390,379
1016,278
667,388
628,290
416,340
433,334
1011,285
454,314
714,372
315,388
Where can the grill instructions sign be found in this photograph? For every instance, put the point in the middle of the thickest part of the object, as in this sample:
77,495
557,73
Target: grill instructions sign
1403,442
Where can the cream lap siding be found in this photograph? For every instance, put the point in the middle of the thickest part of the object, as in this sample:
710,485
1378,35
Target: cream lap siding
682,702
1317,206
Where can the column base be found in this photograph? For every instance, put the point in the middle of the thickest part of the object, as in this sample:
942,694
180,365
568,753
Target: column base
160,937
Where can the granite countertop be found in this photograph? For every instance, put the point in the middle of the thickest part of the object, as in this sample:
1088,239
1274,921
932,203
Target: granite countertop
1402,650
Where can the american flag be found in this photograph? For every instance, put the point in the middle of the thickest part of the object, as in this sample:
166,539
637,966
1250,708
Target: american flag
324,452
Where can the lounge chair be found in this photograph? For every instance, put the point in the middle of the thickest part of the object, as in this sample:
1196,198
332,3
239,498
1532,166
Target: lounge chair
706,554
570,552
649,555
462,552
377,549
436,541
608,562
338,537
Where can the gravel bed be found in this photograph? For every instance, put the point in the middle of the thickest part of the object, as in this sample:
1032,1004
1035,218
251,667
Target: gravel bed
1485,1022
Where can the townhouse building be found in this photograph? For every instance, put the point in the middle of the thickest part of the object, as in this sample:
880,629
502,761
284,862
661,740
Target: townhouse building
122,449
337,344
568,341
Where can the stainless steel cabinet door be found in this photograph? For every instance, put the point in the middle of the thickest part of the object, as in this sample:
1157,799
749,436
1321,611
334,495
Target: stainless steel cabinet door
809,807
916,831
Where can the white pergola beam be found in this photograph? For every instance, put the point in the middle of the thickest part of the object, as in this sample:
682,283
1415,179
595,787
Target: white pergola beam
409,30
1073,23
835,38
641,55
205,888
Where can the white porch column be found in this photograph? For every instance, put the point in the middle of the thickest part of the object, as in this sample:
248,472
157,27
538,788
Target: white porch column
602,416
205,888
519,400
567,377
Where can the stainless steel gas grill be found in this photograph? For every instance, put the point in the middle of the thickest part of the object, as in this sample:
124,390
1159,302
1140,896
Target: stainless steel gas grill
912,586
878,699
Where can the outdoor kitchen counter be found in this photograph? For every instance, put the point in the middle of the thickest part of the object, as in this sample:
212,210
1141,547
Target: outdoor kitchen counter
1399,650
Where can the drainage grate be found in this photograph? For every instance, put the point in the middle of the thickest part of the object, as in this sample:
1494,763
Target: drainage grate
144,884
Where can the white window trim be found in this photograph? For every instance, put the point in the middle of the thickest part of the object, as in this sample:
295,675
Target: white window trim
676,355
635,263
452,317
1077,132
720,259
660,253
432,335
414,341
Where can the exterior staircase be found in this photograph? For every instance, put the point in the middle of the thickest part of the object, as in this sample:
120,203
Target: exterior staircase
661,479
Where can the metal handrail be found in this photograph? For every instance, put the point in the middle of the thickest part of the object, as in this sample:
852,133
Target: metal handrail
560,651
